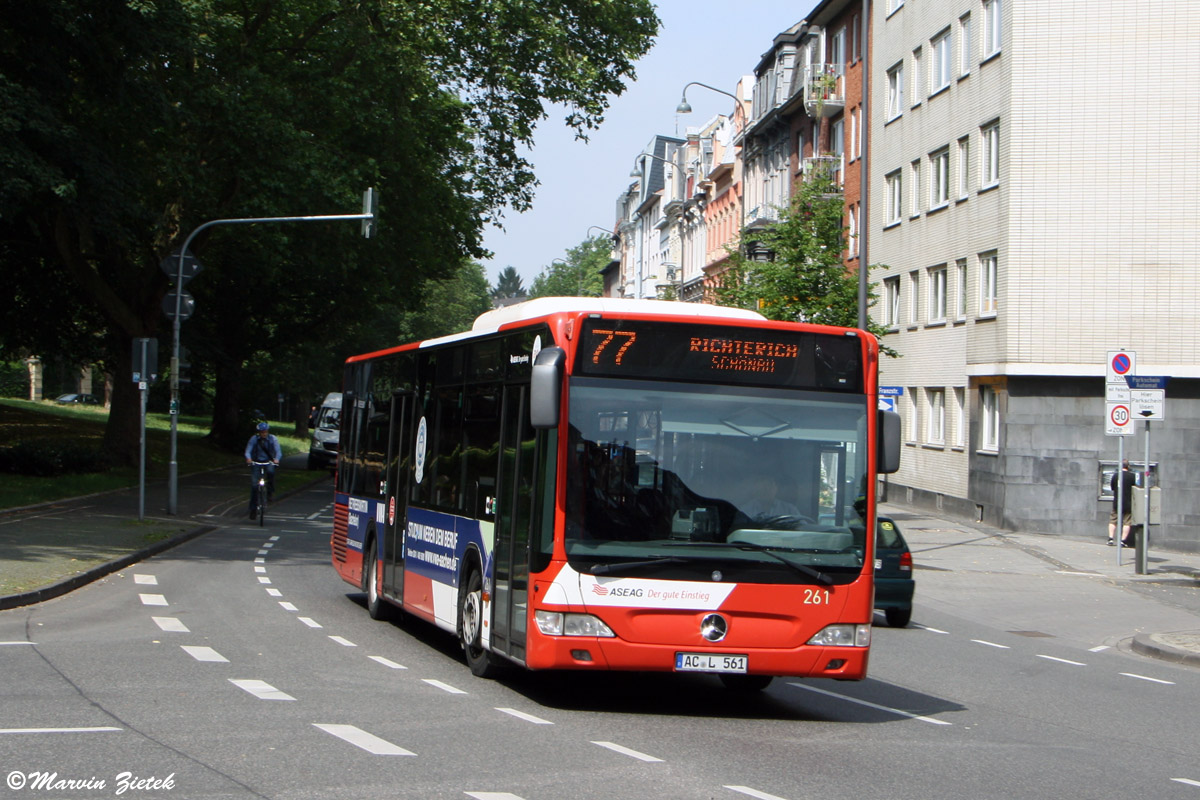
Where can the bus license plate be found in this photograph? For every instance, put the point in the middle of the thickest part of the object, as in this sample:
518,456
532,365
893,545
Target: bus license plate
709,662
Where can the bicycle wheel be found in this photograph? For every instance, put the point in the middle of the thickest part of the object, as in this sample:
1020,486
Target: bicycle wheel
262,503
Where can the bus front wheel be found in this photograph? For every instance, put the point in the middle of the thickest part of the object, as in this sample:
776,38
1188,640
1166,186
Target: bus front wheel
470,627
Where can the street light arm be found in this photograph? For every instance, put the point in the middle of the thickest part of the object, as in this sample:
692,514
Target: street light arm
685,108
637,167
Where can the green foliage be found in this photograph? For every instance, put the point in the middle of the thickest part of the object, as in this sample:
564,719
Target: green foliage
451,305
126,125
49,457
578,275
807,281
508,284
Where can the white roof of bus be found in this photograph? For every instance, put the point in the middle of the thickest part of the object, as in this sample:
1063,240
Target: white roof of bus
544,306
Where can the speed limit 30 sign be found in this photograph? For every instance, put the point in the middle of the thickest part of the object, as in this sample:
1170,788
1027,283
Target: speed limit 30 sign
1118,420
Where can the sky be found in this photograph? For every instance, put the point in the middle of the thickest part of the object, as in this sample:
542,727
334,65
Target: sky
710,41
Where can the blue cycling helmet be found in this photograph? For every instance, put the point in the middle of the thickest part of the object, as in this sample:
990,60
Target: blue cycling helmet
262,426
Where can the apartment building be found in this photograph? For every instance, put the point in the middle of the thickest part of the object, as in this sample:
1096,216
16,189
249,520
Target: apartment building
1034,205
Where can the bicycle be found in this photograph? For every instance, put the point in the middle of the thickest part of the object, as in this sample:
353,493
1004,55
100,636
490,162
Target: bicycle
259,468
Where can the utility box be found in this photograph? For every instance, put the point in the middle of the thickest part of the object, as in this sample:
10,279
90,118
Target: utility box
1139,505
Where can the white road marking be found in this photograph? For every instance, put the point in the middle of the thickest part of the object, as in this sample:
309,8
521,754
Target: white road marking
170,624
343,642
387,662
493,795
445,687
526,717
754,793
286,606
263,579
274,538
1085,574
5,644
367,741
310,622
868,704
260,569
1098,649
268,545
316,514
203,653
1144,678
991,644
260,561
261,689
1062,660
931,630
263,552
58,730
153,599
274,593
1187,781
148,580
616,748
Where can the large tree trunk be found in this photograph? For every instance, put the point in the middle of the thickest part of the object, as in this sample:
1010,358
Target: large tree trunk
226,420
122,434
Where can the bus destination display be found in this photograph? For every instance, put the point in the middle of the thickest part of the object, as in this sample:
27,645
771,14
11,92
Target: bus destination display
723,354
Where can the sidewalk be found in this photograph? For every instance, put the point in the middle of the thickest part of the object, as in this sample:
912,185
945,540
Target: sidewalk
52,548
972,553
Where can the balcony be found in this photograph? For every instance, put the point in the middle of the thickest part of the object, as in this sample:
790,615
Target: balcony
826,168
824,90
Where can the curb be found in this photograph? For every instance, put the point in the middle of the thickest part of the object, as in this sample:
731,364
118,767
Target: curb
1149,644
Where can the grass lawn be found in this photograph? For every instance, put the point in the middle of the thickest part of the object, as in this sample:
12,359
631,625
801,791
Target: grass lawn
23,420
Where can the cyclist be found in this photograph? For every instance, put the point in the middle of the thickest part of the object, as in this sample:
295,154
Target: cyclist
264,449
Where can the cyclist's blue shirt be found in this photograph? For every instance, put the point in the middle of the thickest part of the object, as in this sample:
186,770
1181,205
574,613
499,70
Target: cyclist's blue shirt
267,449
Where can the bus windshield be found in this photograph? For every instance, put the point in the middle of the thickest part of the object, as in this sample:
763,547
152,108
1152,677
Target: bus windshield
679,480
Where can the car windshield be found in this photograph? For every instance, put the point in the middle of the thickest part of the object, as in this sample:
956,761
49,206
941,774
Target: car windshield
331,418
677,480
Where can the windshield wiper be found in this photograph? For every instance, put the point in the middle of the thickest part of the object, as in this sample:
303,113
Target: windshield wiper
803,569
621,566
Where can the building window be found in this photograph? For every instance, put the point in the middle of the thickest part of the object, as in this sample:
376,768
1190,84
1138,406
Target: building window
837,148
989,168
988,269
894,5
852,150
895,197
937,294
939,179
895,91
942,47
964,167
855,34
960,267
914,415
859,139
918,79
964,45
991,27
852,230
914,297
989,419
960,419
935,417
914,182
891,308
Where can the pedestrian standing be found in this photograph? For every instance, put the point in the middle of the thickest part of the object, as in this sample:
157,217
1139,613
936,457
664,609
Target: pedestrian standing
1126,480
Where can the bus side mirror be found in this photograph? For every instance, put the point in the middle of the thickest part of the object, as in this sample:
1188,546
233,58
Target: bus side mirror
545,394
888,433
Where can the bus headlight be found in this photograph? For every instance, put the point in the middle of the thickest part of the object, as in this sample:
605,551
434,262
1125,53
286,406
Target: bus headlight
843,636
556,623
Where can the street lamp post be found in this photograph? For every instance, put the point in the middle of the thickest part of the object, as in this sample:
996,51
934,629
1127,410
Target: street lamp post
685,108
368,216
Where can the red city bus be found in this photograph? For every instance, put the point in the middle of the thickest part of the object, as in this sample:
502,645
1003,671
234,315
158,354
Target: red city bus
604,484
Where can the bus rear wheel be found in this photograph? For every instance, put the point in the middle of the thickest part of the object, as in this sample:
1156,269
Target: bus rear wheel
470,627
376,606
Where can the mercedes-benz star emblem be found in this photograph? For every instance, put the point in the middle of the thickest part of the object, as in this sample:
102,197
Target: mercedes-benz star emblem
714,627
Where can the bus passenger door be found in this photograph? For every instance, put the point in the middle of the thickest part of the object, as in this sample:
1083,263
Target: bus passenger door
514,516
399,468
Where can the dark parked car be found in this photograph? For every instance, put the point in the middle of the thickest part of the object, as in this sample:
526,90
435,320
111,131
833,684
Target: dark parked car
77,399
894,582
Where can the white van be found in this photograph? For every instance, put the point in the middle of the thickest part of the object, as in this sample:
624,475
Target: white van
326,428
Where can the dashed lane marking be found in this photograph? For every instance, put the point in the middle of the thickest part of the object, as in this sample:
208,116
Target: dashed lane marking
260,689
524,716
1145,678
493,795
310,622
274,593
869,704
344,642
625,751
203,653
1062,660
445,687
754,793
153,599
991,644
59,730
1188,781
286,606
367,741
145,580
387,662
170,624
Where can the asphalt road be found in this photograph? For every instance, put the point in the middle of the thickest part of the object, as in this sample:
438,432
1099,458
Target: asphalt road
239,665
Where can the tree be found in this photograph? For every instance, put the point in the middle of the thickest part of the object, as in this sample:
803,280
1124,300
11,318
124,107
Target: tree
127,124
807,280
578,275
508,284
451,304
